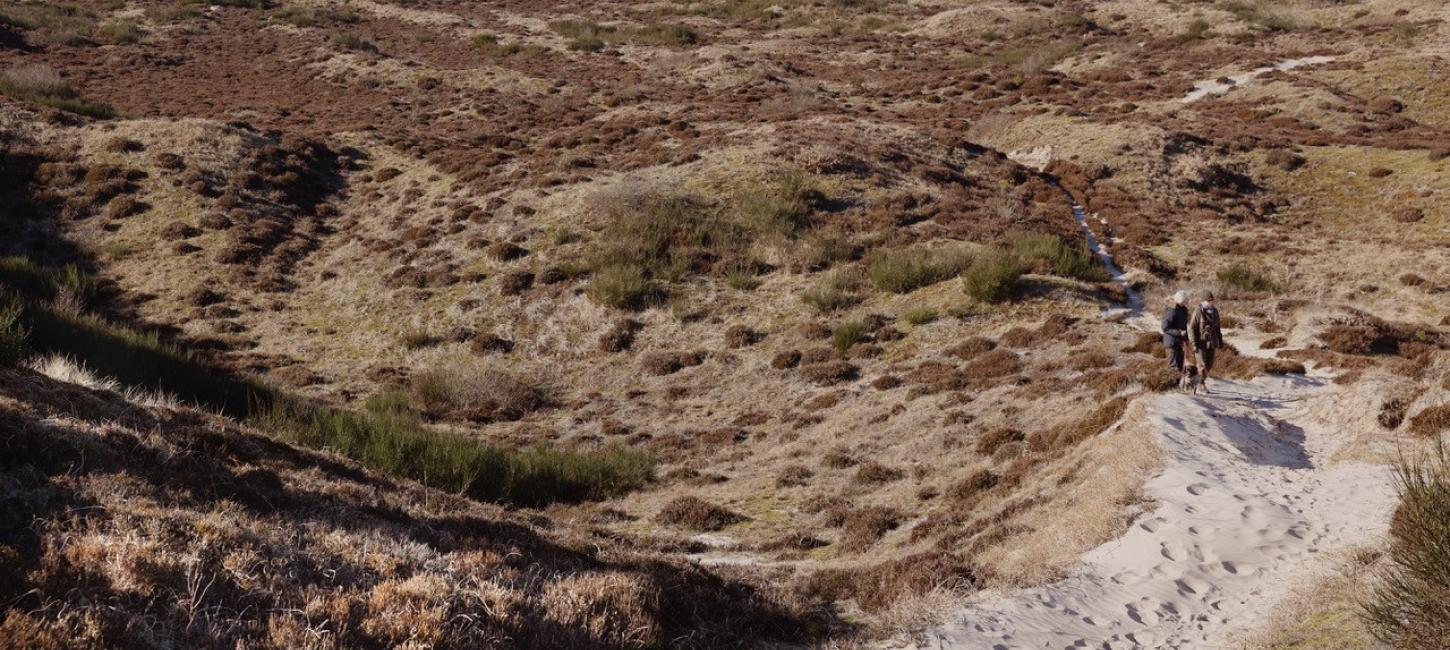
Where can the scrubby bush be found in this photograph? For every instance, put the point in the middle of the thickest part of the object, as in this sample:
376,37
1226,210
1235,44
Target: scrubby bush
835,291
1410,607
1238,277
919,315
779,205
993,277
848,334
389,438
696,514
41,84
589,36
351,41
476,391
904,270
622,286
14,335
120,32
490,45
1051,254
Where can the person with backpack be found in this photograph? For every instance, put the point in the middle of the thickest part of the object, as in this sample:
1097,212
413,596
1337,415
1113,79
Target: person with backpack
1175,330
1205,335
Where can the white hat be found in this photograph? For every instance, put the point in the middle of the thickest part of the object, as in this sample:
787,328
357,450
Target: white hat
1180,297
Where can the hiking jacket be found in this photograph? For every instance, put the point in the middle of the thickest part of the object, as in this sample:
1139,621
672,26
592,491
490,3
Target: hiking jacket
1203,328
1175,325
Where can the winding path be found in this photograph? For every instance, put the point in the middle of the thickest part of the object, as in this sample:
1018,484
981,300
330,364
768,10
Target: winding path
1247,501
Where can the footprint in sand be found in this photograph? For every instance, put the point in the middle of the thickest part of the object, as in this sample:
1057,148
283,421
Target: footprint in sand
1141,612
1197,489
1152,525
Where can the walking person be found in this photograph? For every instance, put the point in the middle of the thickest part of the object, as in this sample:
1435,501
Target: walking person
1175,330
1205,336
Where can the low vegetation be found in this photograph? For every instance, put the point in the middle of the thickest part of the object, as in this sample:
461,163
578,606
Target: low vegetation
1048,253
1410,608
589,36
389,437
905,270
993,277
1239,279
834,291
41,84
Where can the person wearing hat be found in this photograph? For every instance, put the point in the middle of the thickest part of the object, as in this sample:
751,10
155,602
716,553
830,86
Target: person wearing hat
1205,335
1175,329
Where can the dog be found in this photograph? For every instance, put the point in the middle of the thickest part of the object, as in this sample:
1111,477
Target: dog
1191,381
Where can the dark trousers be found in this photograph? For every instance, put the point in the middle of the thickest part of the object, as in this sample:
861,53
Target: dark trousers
1175,356
1207,355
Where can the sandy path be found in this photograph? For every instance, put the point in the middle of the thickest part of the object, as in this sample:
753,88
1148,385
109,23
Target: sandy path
1245,506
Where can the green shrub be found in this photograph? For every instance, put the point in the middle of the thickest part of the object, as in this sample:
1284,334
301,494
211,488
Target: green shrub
41,84
61,23
848,334
417,339
1197,30
779,205
993,277
1238,277
390,439
919,315
904,270
490,45
350,41
14,335
121,32
589,36
622,286
1058,257
1261,14
837,290
1410,608
741,278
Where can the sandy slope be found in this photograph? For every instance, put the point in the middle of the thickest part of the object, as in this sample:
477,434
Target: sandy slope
1247,503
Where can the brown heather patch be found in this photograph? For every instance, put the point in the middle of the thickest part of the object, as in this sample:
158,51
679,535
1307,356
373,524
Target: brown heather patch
1079,430
973,347
876,587
995,438
862,527
696,514
1430,421
873,473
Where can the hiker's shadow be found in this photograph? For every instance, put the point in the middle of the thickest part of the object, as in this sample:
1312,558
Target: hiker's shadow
1281,445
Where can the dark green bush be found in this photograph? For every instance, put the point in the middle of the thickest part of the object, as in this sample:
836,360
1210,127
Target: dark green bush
904,270
389,438
993,277
848,334
1238,277
41,84
1410,608
1057,256
14,334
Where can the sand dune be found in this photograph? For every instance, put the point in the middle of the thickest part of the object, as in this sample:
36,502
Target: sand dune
1246,505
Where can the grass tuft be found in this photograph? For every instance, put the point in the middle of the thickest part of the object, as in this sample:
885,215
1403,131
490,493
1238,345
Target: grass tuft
41,84
993,277
1410,608
389,438
1238,277
907,269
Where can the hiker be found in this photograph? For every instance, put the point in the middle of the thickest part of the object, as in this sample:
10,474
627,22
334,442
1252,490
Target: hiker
1205,336
1175,329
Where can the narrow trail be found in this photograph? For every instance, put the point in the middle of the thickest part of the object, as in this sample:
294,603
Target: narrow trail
1248,504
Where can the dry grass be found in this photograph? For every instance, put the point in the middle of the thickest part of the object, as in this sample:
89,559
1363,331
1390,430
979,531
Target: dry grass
696,514
41,84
